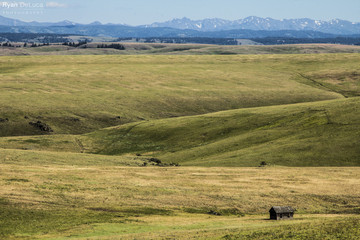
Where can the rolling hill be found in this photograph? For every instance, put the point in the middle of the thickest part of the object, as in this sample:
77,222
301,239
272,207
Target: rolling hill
316,134
309,134
133,48
180,146
80,94
165,118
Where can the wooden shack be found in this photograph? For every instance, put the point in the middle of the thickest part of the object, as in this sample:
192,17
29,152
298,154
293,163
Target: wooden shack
281,213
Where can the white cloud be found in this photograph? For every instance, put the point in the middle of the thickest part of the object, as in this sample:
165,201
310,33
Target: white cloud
56,5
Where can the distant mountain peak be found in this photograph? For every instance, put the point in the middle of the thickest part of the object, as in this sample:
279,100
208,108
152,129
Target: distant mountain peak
335,26
96,23
4,21
65,23
213,25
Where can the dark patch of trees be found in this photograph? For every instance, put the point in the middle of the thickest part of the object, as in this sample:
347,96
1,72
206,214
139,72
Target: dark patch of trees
182,40
125,39
7,44
37,45
33,37
41,126
113,45
73,44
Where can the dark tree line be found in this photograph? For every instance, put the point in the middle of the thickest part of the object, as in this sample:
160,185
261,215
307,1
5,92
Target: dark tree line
37,45
113,45
279,40
73,44
7,44
182,40
33,37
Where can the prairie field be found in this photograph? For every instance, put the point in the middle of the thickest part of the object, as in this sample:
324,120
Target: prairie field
160,143
80,94
179,49
56,201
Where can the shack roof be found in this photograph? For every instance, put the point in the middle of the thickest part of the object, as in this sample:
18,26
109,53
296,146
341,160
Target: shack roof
284,209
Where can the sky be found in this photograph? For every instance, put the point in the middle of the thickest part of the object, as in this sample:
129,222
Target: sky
138,12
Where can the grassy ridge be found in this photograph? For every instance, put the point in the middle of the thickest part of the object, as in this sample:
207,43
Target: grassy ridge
311,134
181,49
46,158
79,94
308,134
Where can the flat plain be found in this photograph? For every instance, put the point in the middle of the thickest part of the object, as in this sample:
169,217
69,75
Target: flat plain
180,146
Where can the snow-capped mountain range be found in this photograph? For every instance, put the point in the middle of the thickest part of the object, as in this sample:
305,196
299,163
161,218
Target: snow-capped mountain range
335,26
215,27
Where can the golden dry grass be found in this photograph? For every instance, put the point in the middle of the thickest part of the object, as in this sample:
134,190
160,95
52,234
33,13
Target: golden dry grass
248,190
102,202
78,94
181,49
62,194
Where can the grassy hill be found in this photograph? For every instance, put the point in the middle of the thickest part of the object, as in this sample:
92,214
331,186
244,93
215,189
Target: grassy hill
81,138
309,134
179,49
80,94
61,97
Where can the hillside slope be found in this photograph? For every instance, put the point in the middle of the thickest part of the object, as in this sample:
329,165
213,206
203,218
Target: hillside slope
312,134
132,48
80,94
323,133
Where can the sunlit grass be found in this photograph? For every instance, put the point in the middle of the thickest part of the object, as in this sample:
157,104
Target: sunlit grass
67,200
78,94
211,114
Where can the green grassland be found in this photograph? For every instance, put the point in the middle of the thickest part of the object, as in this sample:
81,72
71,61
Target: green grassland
179,49
311,134
57,201
80,94
323,133
279,114
210,119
